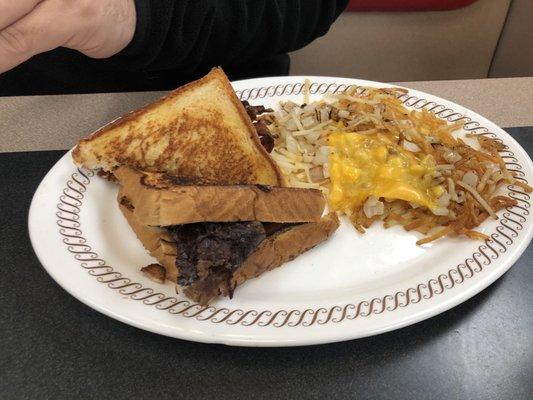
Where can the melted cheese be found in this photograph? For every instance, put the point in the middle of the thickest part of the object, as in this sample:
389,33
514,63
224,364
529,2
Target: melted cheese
364,165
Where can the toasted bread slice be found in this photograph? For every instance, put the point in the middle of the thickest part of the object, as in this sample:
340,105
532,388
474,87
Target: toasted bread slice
154,239
200,130
161,200
272,252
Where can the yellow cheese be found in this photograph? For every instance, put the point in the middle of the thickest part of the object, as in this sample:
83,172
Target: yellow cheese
364,165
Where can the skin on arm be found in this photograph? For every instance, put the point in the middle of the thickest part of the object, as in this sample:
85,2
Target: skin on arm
96,28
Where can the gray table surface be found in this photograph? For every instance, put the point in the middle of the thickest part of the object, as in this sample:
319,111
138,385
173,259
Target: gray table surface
54,347
59,121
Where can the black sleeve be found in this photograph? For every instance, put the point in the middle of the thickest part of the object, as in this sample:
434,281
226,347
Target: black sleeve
191,34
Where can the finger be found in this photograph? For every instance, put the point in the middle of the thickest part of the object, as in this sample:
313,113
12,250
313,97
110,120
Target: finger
35,33
13,10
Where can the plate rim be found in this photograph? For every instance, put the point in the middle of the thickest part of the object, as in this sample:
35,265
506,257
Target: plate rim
458,298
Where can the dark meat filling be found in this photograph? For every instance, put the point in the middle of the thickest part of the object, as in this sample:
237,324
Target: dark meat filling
266,138
254,111
209,253
212,251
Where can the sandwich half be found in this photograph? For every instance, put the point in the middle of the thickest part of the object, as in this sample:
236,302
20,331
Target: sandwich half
210,247
200,130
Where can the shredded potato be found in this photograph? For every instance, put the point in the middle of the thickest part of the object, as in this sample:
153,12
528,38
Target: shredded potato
470,176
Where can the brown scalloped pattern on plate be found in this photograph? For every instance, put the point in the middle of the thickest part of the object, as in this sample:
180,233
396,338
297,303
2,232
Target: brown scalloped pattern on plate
511,222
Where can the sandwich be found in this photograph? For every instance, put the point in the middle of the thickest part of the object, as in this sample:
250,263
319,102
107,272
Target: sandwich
201,192
198,131
211,238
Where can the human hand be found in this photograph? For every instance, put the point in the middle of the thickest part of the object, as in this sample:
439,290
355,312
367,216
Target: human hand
97,28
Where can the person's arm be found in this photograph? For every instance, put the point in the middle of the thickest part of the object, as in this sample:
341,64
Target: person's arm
97,28
187,34
166,34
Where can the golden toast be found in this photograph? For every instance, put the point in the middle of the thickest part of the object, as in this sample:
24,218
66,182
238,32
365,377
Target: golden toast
199,131
162,200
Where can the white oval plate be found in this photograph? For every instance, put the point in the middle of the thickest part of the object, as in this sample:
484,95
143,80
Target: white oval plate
350,287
